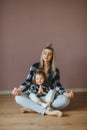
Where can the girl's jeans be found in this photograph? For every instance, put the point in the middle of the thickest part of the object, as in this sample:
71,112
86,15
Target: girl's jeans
49,97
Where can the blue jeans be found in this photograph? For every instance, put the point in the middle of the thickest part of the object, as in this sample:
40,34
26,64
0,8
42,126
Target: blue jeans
49,97
59,103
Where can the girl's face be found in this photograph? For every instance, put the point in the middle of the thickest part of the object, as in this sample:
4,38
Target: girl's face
47,55
39,79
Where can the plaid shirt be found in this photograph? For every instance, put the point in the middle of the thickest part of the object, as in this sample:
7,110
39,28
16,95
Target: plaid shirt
53,80
35,87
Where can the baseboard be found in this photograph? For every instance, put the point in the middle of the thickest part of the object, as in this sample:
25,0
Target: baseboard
77,89
68,89
5,92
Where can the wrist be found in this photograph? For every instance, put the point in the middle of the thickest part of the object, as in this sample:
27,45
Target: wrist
19,89
65,94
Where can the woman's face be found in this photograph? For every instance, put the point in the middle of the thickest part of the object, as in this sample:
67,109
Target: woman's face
47,55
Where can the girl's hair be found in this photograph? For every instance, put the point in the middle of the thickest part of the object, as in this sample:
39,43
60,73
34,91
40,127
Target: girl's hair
52,62
40,72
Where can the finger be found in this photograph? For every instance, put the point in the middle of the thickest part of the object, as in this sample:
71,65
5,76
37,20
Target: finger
13,92
72,95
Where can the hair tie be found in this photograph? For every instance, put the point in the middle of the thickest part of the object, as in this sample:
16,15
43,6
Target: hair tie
50,45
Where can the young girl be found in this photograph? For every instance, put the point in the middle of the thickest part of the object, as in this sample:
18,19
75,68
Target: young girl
40,91
47,64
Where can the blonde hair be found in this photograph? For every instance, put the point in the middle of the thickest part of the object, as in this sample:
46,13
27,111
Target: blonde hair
52,62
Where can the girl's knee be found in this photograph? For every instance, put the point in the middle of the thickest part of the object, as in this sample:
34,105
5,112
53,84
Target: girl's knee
52,92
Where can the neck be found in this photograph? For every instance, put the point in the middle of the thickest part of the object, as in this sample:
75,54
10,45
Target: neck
46,66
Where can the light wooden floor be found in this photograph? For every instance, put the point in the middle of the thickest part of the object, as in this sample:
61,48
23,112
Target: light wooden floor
75,116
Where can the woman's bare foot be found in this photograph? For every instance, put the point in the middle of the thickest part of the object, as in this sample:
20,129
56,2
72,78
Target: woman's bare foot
54,113
49,108
24,110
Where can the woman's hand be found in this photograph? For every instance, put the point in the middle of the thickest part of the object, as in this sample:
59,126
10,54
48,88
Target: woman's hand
16,91
69,94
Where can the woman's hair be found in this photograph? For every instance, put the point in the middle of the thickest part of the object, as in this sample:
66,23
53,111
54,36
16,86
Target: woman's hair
52,62
40,72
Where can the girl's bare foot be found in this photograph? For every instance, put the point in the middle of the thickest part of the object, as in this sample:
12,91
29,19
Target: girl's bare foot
54,113
24,110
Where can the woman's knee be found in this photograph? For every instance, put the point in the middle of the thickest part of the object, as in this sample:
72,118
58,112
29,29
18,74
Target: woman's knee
17,98
61,102
65,100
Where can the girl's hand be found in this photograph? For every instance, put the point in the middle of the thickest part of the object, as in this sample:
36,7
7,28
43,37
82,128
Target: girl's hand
69,94
41,90
16,91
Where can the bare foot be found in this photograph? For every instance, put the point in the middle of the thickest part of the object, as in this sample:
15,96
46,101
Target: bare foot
54,113
49,108
24,110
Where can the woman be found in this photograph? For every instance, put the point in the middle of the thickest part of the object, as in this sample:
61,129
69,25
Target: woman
47,64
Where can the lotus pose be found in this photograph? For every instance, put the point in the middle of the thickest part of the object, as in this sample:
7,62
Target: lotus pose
46,64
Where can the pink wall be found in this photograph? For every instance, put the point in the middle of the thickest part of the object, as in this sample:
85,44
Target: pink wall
25,26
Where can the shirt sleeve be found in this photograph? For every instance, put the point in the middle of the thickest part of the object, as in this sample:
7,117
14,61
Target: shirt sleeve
26,84
56,82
